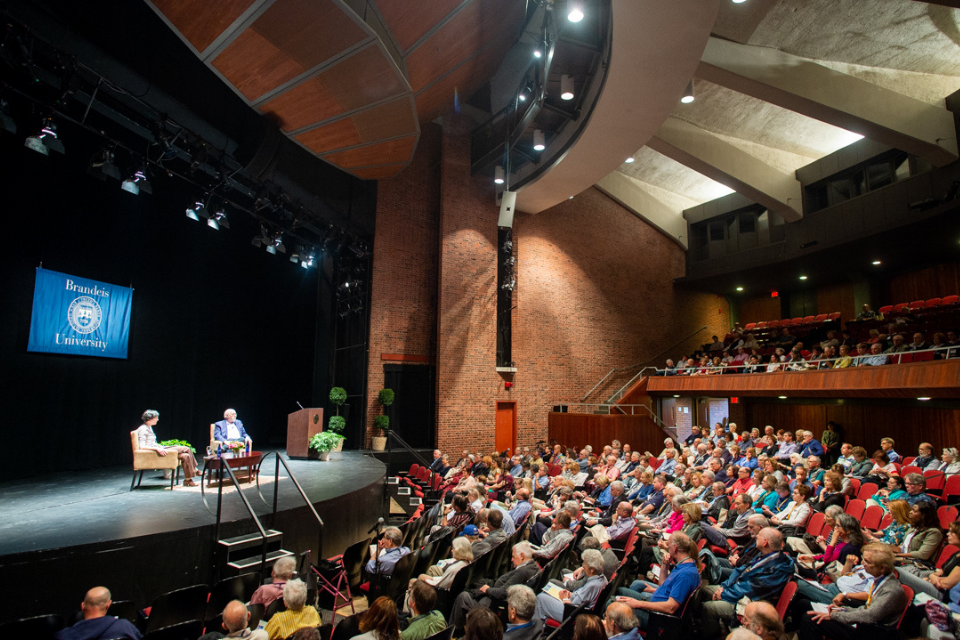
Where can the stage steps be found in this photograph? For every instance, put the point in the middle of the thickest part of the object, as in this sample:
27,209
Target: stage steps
244,553
403,495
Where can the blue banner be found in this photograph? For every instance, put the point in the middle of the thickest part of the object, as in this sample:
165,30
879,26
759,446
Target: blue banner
77,316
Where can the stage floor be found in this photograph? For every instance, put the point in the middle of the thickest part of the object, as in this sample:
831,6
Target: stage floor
95,507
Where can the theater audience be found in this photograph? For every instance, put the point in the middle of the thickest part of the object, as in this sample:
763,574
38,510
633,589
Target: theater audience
96,624
425,620
283,570
298,613
389,552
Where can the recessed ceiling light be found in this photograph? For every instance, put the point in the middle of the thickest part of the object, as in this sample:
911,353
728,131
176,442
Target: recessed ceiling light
676,396
538,140
575,11
566,87
739,288
876,263
923,399
688,96
629,160
739,1
803,277
782,397
498,175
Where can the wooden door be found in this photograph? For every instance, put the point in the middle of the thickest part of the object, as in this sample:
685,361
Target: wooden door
506,437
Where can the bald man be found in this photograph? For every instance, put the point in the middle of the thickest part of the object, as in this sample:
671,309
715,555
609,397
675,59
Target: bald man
762,618
96,623
236,620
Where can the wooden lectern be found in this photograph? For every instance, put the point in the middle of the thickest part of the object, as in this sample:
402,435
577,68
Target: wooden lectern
301,426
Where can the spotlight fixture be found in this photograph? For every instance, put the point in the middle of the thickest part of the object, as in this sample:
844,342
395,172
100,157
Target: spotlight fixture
102,165
688,96
196,210
137,182
218,219
46,139
498,175
629,160
575,11
566,87
538,140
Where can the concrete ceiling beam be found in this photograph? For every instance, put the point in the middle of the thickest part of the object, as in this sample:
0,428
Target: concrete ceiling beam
709,155
624,190
813,90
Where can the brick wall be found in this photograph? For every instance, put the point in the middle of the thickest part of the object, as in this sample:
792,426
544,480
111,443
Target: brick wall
404,280
594,291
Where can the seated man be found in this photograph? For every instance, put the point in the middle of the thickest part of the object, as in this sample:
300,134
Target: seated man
762,579
486,595
96,623
670,596
236,621
283,570
492,534
762,619
389,552
549,606
620,623
736,527
522,623
878,618
230,429
425,620
556,538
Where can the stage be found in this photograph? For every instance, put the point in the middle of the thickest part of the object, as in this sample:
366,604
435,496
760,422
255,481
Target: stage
66,532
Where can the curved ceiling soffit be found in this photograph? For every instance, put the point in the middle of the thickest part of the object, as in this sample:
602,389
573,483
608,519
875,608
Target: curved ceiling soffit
332,82
656,48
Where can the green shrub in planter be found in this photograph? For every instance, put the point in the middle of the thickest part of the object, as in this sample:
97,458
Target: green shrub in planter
336,424
386,397
382,423
325,441
338,395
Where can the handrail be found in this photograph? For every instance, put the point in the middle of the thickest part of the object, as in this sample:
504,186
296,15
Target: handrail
391,436
639,364
619,392
786,366
303,494
246,503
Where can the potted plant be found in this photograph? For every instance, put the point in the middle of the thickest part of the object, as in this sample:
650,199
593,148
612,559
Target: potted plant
337,423
324,442
382,422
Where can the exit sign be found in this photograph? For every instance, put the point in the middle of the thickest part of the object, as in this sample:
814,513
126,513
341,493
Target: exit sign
774,294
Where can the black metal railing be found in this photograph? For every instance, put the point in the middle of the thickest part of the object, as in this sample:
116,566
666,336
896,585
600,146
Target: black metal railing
303,494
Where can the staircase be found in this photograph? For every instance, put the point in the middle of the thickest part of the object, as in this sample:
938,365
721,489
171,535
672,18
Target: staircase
243,554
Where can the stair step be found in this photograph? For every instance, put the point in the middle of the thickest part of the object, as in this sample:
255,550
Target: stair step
254,561
247,539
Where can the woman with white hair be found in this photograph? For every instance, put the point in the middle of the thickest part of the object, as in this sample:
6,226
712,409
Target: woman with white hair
462,556
950,464
298,614
549,606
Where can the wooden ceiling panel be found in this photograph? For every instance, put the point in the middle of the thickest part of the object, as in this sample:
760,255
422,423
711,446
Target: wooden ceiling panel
336,135
365,77
466,33
201,22
303,105
409,21
254,65
377,173
465,79
309,31
386,121
391,151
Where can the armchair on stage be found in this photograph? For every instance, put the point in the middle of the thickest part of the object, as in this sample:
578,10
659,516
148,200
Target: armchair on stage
150,460
214,442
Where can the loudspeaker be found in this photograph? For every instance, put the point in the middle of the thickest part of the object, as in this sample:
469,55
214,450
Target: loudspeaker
508,201
260,151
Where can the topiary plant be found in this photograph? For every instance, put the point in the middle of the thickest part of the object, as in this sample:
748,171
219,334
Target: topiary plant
386,397
338,395
382,423
336,424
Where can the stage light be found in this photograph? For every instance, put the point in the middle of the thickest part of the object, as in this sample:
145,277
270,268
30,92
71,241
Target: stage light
876,263
538,140
566,87
137,182
630,160
194,212
218,219
688,96
102,165
537,53
575,11
739,288
498,175
803,277
46,139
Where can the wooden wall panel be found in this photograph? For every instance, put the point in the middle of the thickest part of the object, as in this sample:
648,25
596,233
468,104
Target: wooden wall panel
934,282
580,429
410,21
201,22
838,297
864,425
759,309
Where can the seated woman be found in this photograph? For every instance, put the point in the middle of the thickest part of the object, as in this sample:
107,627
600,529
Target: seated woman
951,461
832,492
861,465
939,582
845,550
147,439
441,574
690,525
923,537
894,534
896,490
476,500
459,513
810,545
697,487
757,490
795,514
380,621
298,614
882,469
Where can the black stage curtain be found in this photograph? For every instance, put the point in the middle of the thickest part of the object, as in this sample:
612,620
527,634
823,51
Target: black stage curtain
216,323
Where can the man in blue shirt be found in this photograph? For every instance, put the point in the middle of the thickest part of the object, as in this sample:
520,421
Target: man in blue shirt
656,498
390,552
670,596
809,446
887,445
669,465
96,623
520,510
517,467
916,489
787,447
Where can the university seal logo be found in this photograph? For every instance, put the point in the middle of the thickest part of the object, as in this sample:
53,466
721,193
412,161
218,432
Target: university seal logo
84,315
